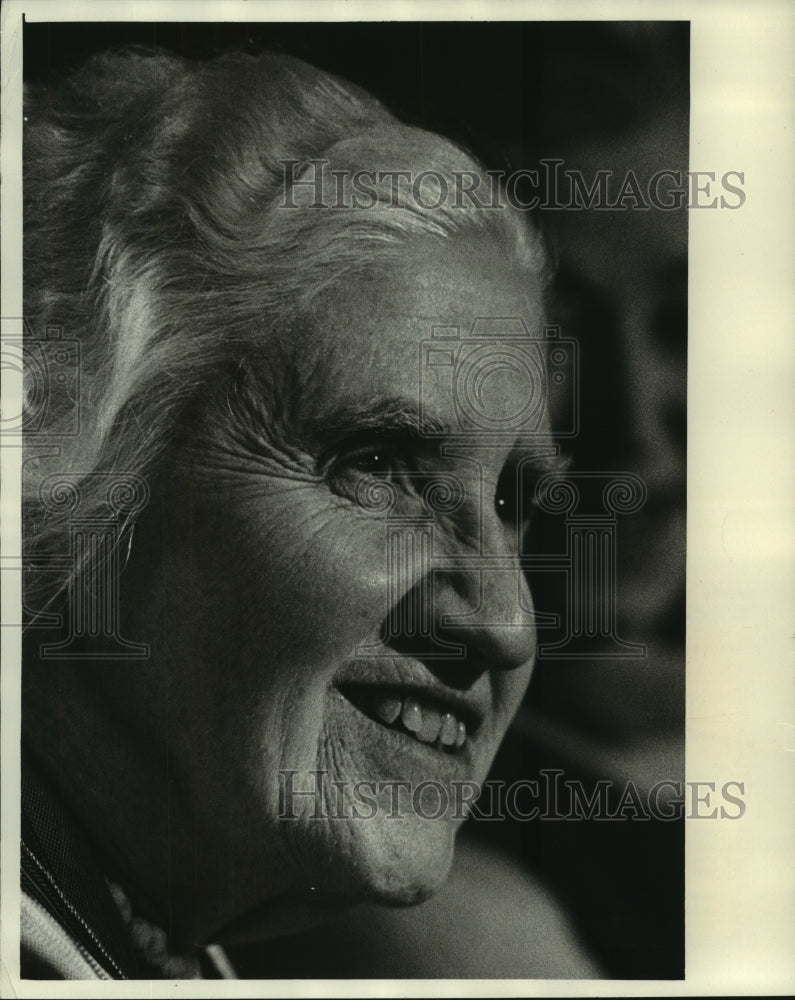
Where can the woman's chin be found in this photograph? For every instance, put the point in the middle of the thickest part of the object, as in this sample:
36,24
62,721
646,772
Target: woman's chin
408,893
395,863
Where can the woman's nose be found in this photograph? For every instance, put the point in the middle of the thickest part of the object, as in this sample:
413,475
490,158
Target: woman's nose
482,600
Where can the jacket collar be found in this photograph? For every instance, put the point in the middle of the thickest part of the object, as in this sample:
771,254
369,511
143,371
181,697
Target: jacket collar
60,873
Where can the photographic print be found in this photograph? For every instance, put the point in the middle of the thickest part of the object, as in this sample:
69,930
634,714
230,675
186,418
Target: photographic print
353,463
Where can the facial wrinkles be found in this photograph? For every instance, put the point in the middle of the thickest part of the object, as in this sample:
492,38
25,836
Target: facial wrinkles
262,407
322,368
315,514
312,525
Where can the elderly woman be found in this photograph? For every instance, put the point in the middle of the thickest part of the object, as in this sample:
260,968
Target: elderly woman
281,551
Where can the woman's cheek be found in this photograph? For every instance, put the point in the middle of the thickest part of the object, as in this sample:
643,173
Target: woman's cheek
328,574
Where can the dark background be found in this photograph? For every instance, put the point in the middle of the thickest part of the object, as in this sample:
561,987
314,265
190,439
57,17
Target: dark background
599,95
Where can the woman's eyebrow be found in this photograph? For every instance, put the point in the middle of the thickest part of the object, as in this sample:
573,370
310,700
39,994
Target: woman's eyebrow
376,416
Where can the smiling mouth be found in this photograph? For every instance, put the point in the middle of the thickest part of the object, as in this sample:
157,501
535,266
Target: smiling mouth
415,714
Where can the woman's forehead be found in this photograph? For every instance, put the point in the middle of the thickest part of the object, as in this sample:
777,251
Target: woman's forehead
396,304
369,339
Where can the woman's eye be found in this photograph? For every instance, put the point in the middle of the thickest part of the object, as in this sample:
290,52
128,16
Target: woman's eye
356,472
514,499
505,499
375,462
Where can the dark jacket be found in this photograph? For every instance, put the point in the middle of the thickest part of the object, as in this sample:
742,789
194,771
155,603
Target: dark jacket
71,927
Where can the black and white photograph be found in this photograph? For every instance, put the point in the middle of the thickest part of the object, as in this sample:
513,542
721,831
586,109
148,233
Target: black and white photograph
354,449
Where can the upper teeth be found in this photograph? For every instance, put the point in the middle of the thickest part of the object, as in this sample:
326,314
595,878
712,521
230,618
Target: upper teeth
424,721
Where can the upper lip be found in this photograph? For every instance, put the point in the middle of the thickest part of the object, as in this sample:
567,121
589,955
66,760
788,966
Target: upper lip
409,678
